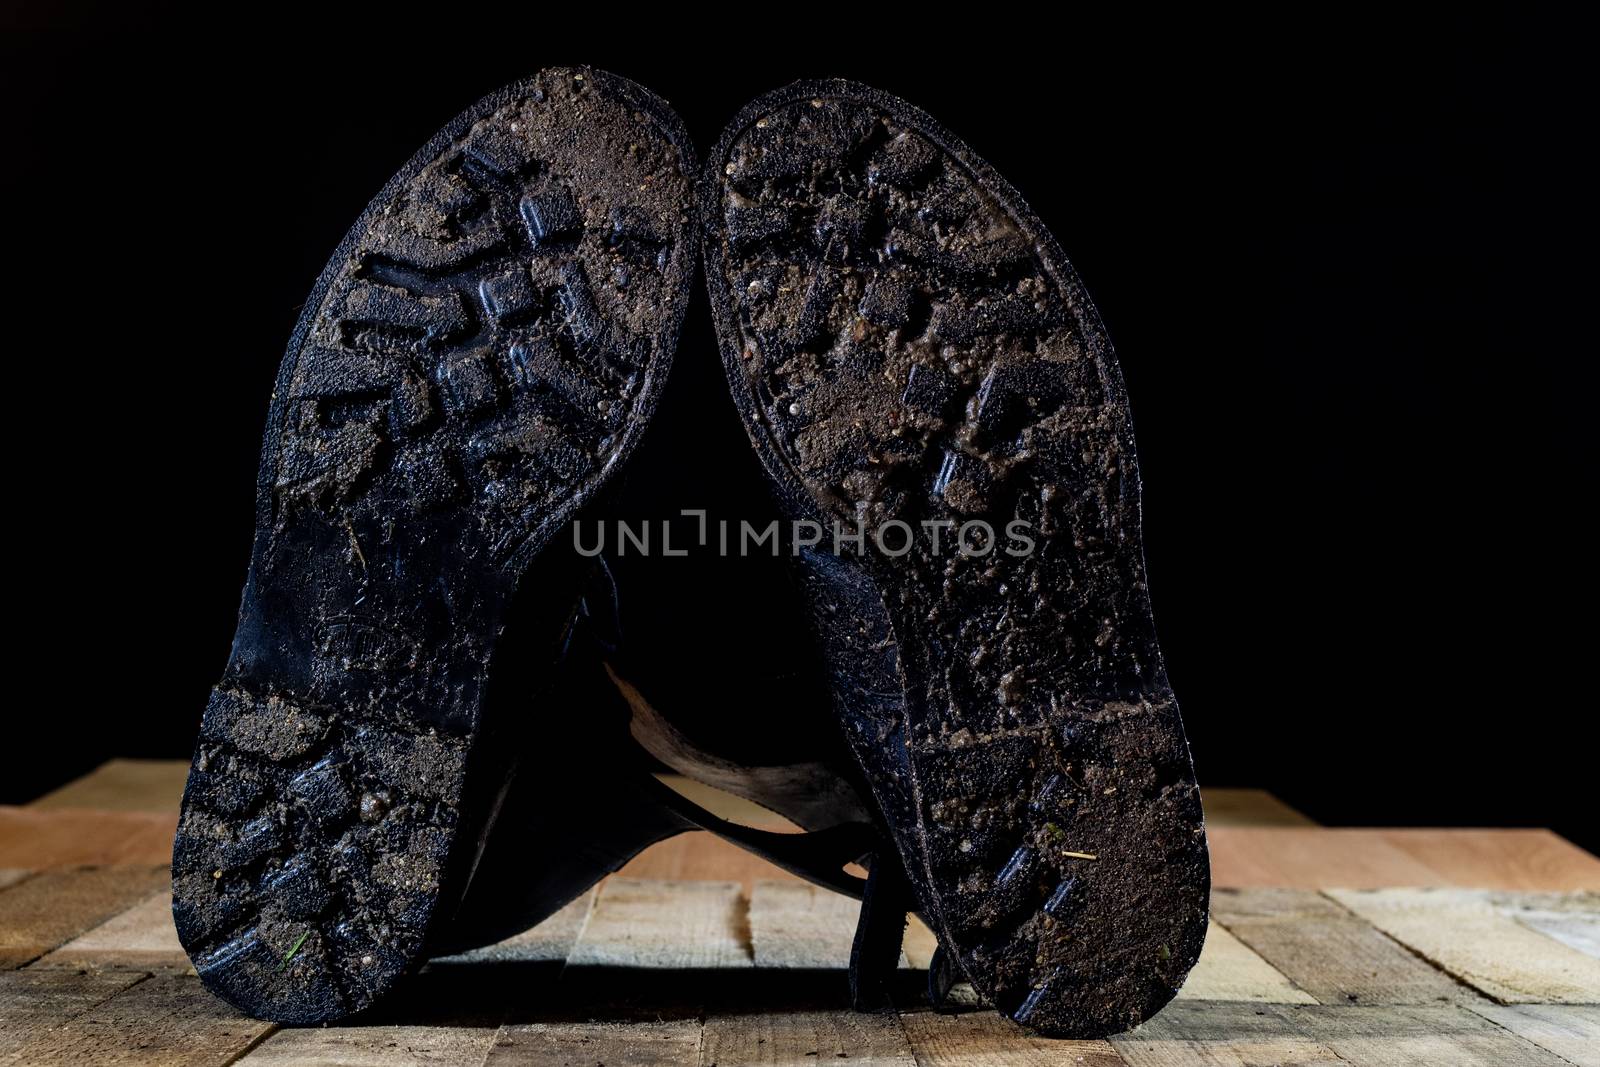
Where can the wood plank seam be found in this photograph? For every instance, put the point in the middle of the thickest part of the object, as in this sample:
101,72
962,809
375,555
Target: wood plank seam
27,1020
1466,933
159,1018
11,877
40,914
1469,992
1524,1032
64,1020
1563,1042
1319,952
271,1029
1230,970
1520,1037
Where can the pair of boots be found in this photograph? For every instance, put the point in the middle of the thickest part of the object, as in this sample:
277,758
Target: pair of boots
935,402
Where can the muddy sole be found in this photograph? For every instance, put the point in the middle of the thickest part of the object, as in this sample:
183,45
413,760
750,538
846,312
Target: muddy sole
477,359
912,354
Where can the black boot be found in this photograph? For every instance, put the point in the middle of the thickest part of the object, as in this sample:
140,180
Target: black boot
479,357
911,352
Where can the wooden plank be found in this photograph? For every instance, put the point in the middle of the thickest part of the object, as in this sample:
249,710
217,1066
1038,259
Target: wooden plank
550,941
655,924
795,924
142,938
473,997
69,837
1248,807
615,1044
373,1046
1237,1035
1221,1034
1310,858
167,1019
1571,918
50,909
984,1039
32,1003
796,1037
1329,952
1525,860
1570,1031
1580,932
1417,1036
1462,932
1228,970
123,785
10,876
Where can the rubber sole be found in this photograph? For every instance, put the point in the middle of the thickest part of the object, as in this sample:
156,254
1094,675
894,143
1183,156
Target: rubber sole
907,344
481,353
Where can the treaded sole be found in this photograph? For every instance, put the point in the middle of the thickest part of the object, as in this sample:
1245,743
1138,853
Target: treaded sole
480,354
906,343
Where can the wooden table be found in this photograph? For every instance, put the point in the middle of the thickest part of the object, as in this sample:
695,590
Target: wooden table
1327,946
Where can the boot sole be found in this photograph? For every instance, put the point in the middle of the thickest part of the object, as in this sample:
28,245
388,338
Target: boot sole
480,355
906,342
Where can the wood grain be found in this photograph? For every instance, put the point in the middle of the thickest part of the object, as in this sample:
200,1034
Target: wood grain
40,838
1463,932
795,924
657,924
1414,1036
1580,932
1571,918
636,1044
1229,970
1310,858
373,1046
32,1003
1237,1035
1498,859
167,1019
1329,952
142,938
686,972
984,1039
1570,1031
805,1037
1222,1034
51,908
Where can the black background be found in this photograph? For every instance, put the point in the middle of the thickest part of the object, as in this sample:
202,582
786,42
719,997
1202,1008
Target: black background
1343,265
